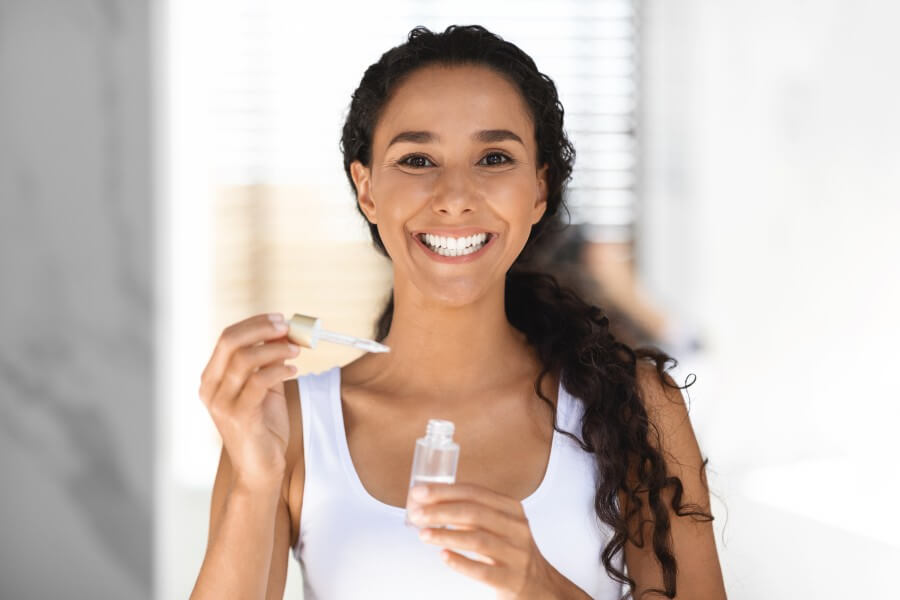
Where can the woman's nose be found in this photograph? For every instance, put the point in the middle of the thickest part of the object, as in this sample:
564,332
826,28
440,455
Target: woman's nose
454,193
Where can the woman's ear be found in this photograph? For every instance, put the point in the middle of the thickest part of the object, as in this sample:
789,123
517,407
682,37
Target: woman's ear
540,204
362,178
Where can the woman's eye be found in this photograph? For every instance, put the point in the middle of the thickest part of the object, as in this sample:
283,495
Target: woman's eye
414,160
417,161
493,156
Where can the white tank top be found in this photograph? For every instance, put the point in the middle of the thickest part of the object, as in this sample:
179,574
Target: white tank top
353,546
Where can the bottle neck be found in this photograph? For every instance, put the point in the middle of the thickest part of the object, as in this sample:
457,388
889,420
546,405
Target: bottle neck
438,438
439,430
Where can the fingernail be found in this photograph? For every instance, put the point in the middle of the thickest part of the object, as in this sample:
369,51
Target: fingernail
419,492
281,326
293,348
276,317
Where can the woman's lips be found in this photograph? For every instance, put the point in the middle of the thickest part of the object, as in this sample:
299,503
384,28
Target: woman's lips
456,259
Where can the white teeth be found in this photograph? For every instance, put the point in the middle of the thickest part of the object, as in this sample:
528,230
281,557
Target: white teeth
450,246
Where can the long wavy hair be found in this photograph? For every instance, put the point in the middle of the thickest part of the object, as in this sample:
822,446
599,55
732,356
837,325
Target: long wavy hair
570,335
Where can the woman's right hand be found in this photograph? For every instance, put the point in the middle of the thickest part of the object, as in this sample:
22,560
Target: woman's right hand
242,388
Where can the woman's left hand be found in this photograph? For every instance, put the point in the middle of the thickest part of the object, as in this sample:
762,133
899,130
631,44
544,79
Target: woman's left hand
493,526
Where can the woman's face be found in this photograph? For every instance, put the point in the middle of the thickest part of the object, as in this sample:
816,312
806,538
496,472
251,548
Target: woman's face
453,157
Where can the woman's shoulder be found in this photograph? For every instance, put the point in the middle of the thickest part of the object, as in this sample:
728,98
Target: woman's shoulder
658,392
668,412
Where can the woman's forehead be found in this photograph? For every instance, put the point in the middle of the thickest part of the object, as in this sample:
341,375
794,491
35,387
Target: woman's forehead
454,101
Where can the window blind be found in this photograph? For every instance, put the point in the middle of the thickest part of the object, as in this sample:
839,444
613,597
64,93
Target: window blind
286,73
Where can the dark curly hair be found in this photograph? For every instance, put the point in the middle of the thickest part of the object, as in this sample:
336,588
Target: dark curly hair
570,335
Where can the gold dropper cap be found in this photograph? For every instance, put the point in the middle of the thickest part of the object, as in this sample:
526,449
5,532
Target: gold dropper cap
302,330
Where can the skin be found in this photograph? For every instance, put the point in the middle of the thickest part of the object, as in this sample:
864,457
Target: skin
434,301
455,356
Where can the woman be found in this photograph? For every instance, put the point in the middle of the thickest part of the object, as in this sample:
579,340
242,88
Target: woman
577,463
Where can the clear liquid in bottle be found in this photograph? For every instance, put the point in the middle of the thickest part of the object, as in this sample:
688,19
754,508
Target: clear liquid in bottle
436,456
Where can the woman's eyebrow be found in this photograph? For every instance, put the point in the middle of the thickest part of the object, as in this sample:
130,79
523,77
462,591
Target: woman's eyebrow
416,137
497,135
485,136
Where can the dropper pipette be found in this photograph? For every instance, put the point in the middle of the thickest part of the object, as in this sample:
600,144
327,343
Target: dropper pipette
306,331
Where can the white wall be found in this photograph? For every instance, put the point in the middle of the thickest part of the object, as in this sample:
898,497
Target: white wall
76,301
772,204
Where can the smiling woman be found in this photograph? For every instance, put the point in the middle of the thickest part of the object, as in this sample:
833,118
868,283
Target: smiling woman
578,471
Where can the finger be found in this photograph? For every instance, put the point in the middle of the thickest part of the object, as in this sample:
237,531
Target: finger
470,515
259,383
253,330
423,494
491,548
244,366
258,328
494,575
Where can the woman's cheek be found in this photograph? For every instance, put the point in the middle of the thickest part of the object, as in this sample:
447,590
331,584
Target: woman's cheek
407,191
512,199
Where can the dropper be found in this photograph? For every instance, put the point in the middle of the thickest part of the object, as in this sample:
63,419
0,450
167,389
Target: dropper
306,331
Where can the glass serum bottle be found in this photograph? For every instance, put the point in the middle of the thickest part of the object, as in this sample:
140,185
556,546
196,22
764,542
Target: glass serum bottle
436,456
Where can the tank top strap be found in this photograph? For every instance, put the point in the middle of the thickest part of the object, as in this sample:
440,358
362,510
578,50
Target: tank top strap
568,410
321,449
316,397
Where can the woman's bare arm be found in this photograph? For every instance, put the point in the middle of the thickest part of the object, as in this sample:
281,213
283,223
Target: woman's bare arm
244,521
693,542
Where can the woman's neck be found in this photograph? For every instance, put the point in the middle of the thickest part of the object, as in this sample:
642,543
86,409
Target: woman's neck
443,352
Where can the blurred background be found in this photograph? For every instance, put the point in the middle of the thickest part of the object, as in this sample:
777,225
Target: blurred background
169,168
